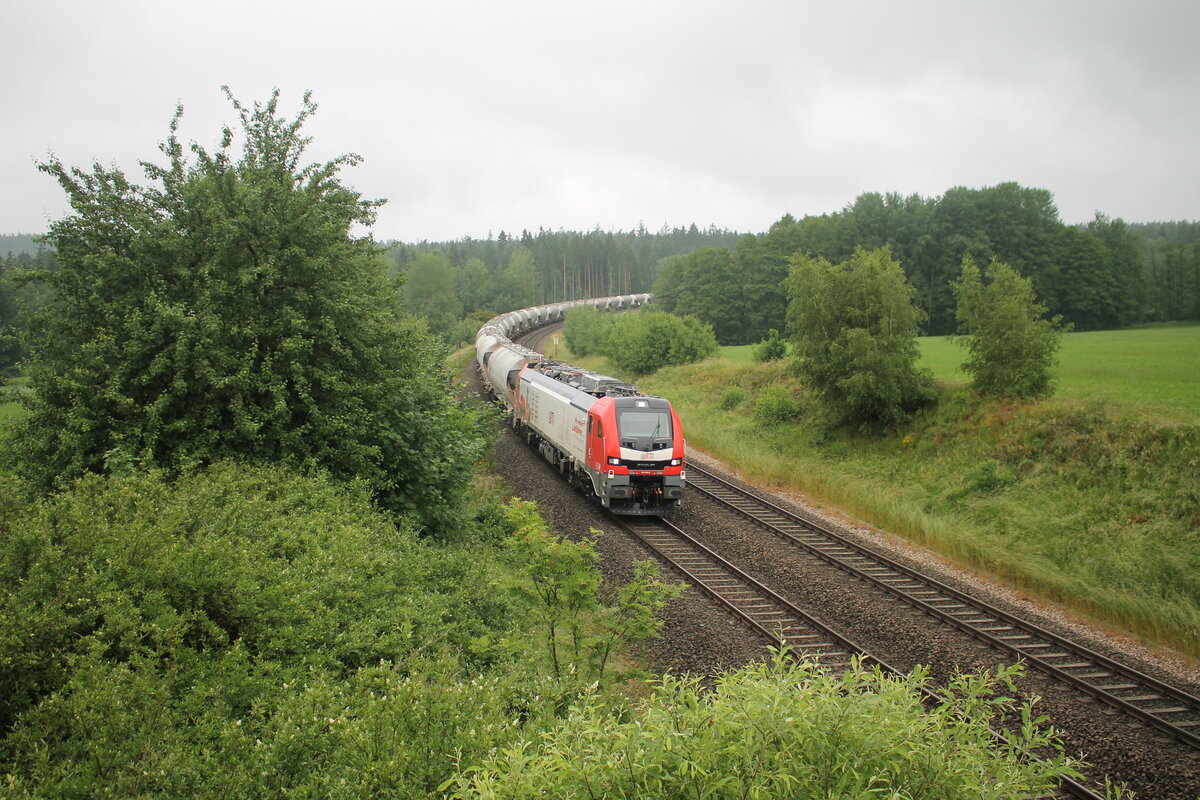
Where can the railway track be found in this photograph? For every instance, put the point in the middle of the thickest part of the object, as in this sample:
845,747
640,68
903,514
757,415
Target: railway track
1160,705
539,338
772,616
768,613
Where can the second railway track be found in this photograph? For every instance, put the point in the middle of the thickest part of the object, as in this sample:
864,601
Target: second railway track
771,615
1141,696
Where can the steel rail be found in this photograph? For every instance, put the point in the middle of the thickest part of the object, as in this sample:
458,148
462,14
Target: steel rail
756,604
1122,687
718,578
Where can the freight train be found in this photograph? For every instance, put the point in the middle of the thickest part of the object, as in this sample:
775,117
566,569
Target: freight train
603,435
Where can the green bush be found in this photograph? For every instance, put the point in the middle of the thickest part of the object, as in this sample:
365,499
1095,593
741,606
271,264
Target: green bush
560,582
731,398
245,632
786,731
775,406
645,342
1011,346
639,343
586,329
770,349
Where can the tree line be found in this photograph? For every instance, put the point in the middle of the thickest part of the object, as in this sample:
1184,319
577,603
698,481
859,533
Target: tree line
1105,274
458,285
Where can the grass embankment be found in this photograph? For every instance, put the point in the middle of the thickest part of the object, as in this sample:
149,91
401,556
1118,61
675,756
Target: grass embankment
1090,499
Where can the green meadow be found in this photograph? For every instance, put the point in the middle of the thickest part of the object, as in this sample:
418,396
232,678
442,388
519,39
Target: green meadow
1153,371
1089,499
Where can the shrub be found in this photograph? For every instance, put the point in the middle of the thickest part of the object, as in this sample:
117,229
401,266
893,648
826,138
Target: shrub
168,625
770,349
560,583
731,398
586,329
645,342
775,406
783,731
1010,344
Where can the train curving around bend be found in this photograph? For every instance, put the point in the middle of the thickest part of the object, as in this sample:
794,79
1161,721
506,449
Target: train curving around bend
603,435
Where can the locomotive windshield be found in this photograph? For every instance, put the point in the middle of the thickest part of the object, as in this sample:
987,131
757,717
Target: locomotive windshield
644,423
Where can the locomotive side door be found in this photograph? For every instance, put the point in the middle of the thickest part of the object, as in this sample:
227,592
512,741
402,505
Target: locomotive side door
595,442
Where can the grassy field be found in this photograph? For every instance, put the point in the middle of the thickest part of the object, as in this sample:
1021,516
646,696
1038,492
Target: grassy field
1090,499
1151,372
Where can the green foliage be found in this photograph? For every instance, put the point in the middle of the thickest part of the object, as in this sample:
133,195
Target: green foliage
245,632
739,292
561,582
986,476
854,329
787,730
731,398
644,342
429,293
770,349
224,311
563,577
1011,346
587,329
774,405
706,285
21,295
638,343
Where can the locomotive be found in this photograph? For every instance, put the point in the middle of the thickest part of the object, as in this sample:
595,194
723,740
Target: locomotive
603,435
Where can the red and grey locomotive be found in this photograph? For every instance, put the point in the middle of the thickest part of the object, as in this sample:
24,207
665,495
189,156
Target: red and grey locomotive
603,435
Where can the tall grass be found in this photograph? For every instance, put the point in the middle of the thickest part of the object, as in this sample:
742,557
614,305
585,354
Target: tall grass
1090,499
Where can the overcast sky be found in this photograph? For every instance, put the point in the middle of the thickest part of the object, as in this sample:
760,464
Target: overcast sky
482,116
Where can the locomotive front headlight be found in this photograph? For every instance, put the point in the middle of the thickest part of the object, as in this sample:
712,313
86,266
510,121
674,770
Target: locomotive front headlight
614,461
675,462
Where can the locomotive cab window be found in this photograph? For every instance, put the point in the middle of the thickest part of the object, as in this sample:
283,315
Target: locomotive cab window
644,423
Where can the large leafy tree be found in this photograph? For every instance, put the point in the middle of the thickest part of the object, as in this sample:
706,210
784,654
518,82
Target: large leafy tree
429,292
704,284
854,332
226,310
1010,343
